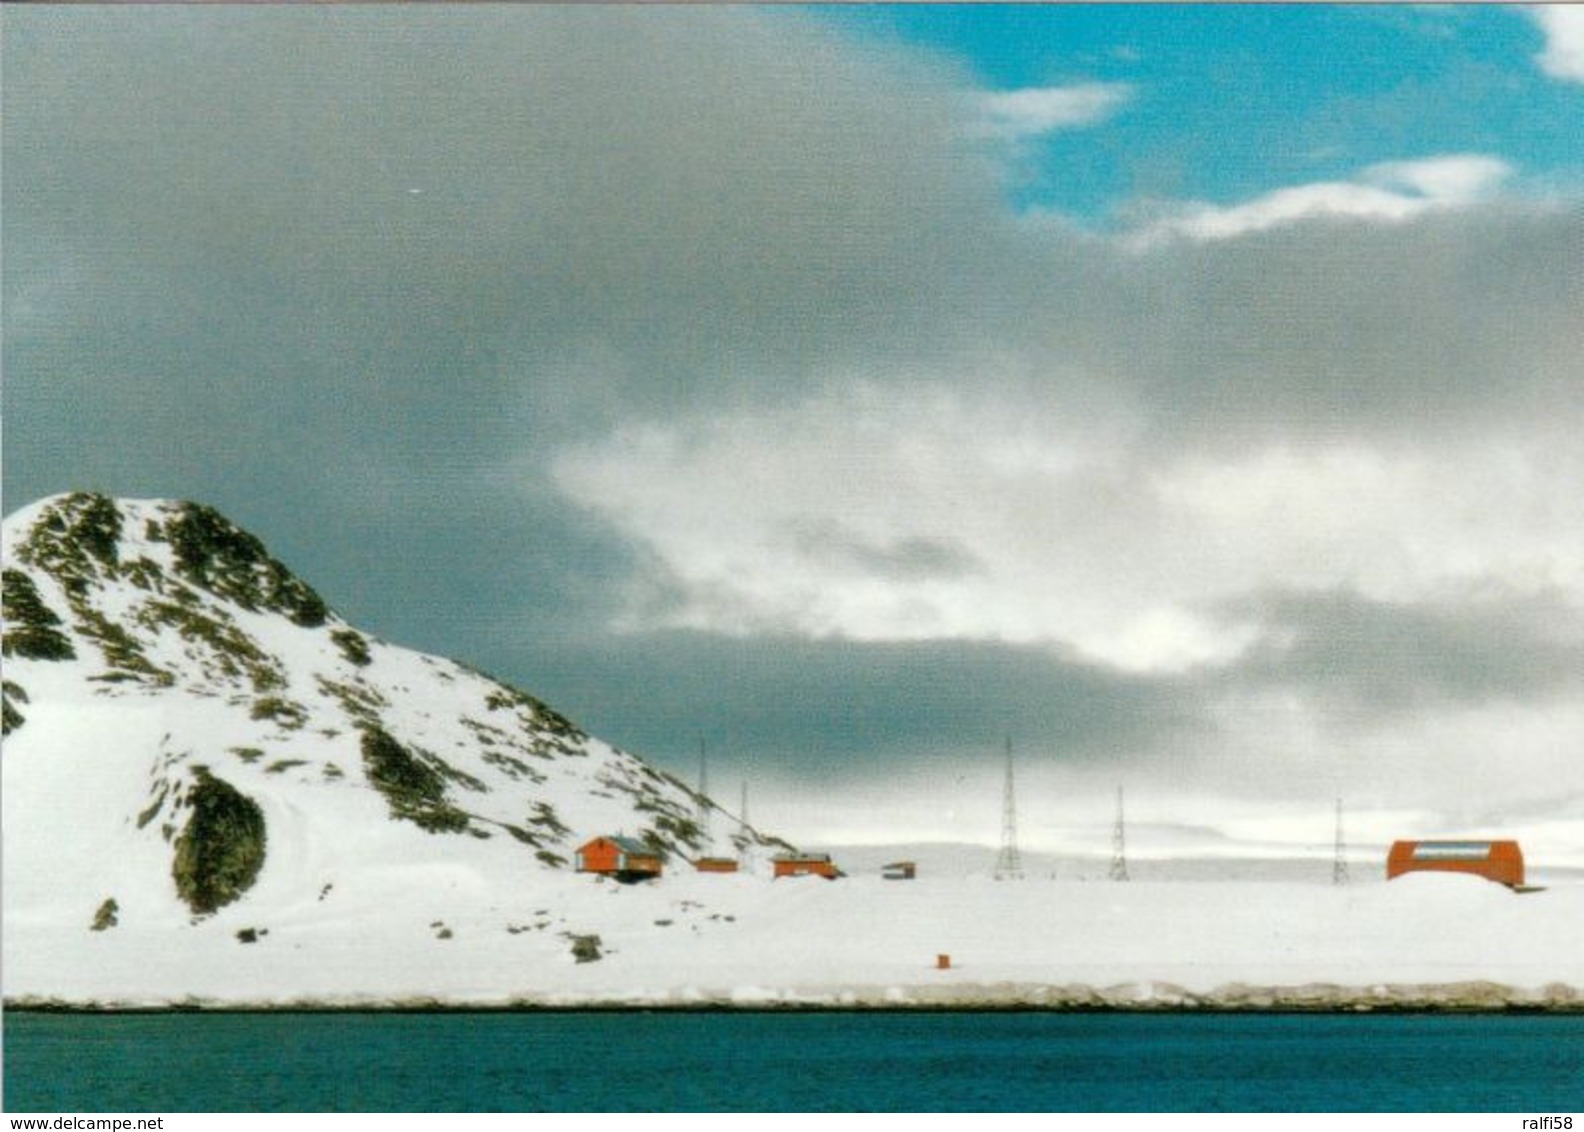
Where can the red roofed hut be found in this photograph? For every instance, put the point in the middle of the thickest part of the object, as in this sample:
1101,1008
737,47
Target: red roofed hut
624,858
1500,861
806,865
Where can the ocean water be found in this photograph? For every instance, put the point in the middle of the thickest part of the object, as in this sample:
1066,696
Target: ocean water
781,1062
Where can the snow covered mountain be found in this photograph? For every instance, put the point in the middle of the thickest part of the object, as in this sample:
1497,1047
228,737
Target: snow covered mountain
189,726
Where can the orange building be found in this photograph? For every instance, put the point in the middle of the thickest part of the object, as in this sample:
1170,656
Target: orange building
1500,861
624,858
716,865
806,865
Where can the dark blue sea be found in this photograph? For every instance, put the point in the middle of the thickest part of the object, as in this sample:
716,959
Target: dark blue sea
779,1062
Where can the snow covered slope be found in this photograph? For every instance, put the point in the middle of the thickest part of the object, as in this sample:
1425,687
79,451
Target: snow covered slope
190,730
216,792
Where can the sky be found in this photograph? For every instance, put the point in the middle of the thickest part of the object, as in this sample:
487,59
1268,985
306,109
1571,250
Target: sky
1187,394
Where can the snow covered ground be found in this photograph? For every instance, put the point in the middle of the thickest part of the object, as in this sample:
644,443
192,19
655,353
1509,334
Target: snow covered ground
442,932
416,821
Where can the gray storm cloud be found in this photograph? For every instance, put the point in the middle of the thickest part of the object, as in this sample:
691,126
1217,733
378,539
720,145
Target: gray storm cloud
511,327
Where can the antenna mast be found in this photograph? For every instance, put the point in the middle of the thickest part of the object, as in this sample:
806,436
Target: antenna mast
703,818
1339,867
745,846
1119,869
1009,864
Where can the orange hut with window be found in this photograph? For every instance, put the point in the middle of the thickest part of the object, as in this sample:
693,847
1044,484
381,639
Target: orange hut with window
1500,861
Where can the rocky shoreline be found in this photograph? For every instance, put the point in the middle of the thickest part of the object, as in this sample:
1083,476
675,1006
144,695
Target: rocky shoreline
1235,998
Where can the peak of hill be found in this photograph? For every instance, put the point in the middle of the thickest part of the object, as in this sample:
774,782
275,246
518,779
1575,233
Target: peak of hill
189,727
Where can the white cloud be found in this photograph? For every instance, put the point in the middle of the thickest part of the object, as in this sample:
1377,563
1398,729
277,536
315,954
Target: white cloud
1018,114
1389,192
1563,57
1045,530
1397,526
1453,179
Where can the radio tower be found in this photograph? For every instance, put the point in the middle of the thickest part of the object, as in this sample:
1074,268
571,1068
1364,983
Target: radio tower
703,818
745,847
1119,844
1339,868
1009,865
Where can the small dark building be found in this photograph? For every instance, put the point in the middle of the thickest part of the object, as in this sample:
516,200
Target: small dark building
624,858
899,870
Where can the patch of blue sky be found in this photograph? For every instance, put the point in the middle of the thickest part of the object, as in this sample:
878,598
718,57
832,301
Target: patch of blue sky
1227,102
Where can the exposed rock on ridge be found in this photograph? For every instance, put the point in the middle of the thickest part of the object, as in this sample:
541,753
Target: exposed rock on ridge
160,637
